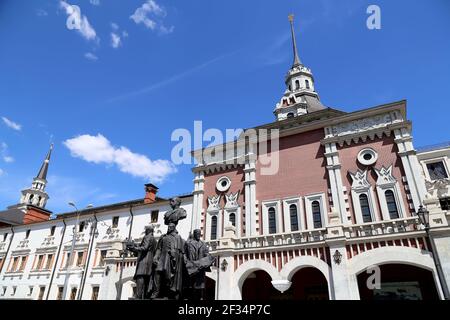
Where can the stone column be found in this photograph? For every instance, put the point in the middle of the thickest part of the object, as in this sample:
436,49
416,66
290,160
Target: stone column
227,290
343,286
197,207
250,197
411,166
335,178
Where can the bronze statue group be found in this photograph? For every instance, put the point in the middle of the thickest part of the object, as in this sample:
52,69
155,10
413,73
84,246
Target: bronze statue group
171,268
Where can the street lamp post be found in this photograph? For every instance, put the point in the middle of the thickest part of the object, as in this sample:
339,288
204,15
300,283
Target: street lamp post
424,216
72,248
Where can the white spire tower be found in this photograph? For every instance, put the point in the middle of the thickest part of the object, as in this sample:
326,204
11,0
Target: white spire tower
300,96
36,195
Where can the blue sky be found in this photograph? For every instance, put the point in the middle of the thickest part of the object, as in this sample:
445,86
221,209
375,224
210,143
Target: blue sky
111,102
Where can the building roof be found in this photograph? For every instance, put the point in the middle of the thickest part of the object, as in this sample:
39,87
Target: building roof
434,147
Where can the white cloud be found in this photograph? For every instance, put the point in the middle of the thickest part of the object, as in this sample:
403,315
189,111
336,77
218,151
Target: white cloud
115,40
1,172
150,15
11,124
124,34
95,2
78,21
115,26
5,154
90,56
41,13
99,150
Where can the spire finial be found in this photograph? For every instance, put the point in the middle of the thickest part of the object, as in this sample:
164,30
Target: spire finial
294,43
44,168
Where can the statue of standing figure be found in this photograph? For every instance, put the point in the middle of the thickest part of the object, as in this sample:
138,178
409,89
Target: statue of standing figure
198,261
144,267
168,277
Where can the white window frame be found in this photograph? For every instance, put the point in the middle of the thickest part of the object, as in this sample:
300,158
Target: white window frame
209,215
356,193
309,199
395,188
287,202
277,205
237,213
434,160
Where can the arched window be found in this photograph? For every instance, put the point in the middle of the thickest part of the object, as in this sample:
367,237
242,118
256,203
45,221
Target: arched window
30,201
365,208
290,115
307,84
294,217
317,217
213,228
391,204
297,84
272,221
232,219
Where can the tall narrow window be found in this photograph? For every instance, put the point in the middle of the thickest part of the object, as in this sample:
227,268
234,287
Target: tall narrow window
213,228
52,230
232,218
307,84
27,234
41,293
103,253
154,216
5,236
365,208
317,216
23,263
115,222
391,204
15,264
81,227
60,293
272,221
95,293
68,262
73,293
297,84
80,256
294,217
40,262
49,262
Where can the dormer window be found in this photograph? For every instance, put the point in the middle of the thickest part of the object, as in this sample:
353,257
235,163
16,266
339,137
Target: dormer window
285,103
290,115
292,100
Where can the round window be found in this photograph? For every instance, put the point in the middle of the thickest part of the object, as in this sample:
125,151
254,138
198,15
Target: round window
223,184
367,157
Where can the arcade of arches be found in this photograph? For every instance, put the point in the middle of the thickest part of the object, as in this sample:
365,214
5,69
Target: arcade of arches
398,282
307,284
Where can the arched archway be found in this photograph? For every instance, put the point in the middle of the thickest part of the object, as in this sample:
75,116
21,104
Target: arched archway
308,283
258,286
398,282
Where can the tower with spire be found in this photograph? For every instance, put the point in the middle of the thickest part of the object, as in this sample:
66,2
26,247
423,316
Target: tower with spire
36,195
300,96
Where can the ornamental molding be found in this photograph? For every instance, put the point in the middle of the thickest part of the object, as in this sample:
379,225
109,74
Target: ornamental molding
359,179
439,188
214,203
385,176
231,200
369,127
364,124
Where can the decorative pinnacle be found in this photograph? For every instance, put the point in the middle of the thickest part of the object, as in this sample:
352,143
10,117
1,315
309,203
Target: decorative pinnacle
294,43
